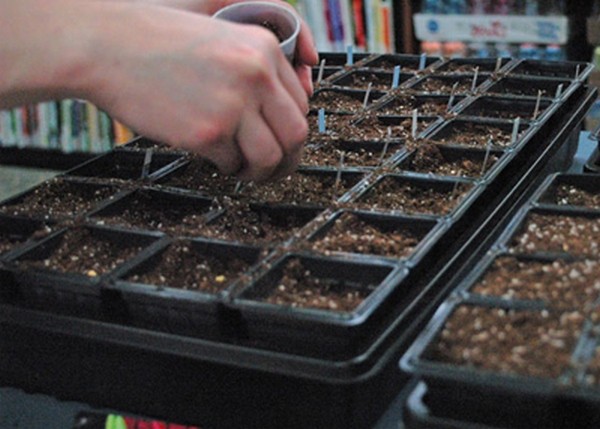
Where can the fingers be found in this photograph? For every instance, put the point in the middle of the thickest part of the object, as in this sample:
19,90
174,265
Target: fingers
304,73
259,146
293,85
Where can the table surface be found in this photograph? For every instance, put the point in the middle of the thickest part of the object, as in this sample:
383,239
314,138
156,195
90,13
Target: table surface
35,411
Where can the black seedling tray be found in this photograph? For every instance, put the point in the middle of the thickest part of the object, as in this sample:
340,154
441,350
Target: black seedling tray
553,383
359,155
468,65
272,365
16,231
412,63
319,327
194,310
529,87
555,69
349,100
569,190
152,209
452,132
421,230
592,165
361,78
404,104
125,165
443,84
426,160
72,293
506,107
47,201
143,144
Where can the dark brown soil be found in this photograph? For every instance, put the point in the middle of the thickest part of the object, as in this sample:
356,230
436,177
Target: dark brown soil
575,196
444,86
334,125
559,284
352,234
390,194
82,252
475,135
363,79
202,176
354,156
243,223
301,189
11,240
334,101
406,104
371,128
143,212
274,29
183,267
298,287
574,235
428,158
59,199
531,343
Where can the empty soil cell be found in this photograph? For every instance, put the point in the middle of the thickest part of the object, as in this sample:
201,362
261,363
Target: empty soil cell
81,251
575,235
373,128
181,266
445,86
245,223
362,80
202,176
334,125
298,287
337,101
144,210
10,240
474,134
428,158
559,284
571,195
143,144
354,234
413,198
404,105
364,155
302,188
530,343
59,199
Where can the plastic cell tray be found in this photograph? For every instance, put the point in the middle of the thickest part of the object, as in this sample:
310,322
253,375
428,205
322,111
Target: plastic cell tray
412,63
468,65
444,84
275,365
532,391
530,87
126,165
551,69
183,309
353,100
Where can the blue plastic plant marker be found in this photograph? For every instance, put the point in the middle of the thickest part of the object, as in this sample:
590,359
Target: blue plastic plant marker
396,77
422,61
321,120
350,55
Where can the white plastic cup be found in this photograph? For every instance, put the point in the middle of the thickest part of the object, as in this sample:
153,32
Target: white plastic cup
284,20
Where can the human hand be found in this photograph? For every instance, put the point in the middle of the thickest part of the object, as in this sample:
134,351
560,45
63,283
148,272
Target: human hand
306,54
223,90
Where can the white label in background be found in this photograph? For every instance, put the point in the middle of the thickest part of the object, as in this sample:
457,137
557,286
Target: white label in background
491,28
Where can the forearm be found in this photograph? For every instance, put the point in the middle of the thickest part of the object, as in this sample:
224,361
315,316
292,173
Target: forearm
45,50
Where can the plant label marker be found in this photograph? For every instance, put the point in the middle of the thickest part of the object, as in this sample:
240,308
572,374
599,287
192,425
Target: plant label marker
366,100
386,144
396,77
487,155
498,64
577,70
422,61
238,187
454,193
338,175
452,95
474,83
559,89
322,128
536,111
350,55
515,130
414,123
321,71
147,162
